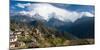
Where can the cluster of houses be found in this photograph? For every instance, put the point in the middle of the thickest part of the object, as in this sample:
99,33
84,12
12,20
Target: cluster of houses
14,37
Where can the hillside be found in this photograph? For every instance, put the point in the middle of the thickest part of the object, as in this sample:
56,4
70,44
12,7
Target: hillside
35,34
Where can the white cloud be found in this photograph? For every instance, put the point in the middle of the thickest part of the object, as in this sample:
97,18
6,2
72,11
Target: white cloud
88,14
20,5
45,10
24,12
23,5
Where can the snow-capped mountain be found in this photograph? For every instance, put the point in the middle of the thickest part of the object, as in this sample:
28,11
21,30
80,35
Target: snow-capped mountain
47,11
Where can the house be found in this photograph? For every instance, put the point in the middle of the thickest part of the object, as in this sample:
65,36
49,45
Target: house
13,38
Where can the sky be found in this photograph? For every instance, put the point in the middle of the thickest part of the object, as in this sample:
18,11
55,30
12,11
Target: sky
62,11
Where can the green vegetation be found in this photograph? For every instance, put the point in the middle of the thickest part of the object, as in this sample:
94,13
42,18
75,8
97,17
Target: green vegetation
40,36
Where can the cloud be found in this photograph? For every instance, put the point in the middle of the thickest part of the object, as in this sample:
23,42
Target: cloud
46,11
88,14
24,12
23,5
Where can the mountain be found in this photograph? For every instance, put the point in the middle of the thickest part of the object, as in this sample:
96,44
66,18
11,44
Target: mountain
44,29
83,27
56,23
21,18
40,33
35,34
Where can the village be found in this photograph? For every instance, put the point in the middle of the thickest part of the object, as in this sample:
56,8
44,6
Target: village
16,42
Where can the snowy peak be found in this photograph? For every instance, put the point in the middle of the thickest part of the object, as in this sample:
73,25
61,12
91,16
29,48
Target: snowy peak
46,11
